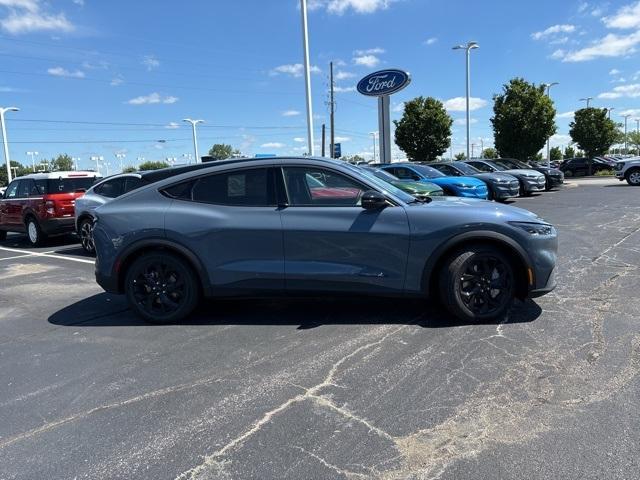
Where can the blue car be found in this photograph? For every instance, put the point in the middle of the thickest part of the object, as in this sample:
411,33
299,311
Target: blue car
248,227
468,187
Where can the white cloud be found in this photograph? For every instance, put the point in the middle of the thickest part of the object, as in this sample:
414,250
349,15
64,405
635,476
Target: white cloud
26,16
339,7
634,112
459,104
366,60
554,29
172,126
273,145
463,121
342,139
629,91
430,41
614,71
342,75
150,62
290,113
338,89
63,72
118,80
399,108
79,2
625,18
152,98
294,69
299,140
566,114
611,45
369,51
11,90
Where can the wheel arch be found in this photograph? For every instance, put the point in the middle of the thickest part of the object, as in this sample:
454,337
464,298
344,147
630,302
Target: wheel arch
126,259
83,216
524,270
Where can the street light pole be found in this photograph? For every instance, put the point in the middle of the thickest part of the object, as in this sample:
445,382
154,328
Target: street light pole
626,139
195,137
120,156
588,100
548,87
468,47
75,162
33,162
609,110
307,77
4,138
97,159
373,136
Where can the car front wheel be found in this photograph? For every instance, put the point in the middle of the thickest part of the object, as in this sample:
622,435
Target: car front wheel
161,288
34,232
633,177
86,236
477,283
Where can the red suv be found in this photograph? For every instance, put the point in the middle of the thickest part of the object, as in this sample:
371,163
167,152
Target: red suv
42,204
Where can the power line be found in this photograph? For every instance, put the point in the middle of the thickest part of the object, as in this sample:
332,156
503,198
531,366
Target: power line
163,125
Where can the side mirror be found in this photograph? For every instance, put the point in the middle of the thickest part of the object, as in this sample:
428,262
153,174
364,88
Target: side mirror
373,200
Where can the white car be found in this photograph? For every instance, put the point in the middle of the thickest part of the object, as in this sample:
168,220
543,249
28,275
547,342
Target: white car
629,170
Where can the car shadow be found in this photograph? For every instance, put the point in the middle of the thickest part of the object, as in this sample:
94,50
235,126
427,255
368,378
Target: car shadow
19,240
105,310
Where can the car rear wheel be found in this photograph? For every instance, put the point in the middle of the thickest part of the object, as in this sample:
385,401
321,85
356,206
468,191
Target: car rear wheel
85,231
477,283
633,177
161,288
34,232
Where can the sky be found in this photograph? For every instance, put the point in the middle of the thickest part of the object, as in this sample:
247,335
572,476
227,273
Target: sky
100,78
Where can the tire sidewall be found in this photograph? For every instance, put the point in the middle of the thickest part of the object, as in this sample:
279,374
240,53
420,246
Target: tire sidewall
82,224
628,175
39,235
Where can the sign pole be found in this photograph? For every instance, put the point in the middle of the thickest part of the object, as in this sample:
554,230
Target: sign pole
384,127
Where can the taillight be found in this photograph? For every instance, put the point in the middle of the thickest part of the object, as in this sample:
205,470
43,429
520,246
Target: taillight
50,207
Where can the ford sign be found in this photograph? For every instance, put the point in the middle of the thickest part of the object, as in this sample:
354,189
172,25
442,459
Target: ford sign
384,82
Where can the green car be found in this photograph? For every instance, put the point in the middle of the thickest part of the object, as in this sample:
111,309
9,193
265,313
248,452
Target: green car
420,190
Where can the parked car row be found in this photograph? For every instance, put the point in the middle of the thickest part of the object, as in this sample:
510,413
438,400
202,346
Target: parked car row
293,225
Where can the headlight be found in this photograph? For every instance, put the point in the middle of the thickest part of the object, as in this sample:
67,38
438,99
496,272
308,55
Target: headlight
539,229
463,185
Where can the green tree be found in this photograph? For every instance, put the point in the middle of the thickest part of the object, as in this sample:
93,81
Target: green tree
593,131
129,169
424,131
569,152
353,159
523,120
17,170
61,163
555,153
634,139
220,151
460,156
152,165
489,153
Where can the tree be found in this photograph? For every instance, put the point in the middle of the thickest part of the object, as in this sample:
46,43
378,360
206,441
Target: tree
220,151
569,152
424,131
153,165
593,131
489,153
353,159
17,172
634,139
555,153
129,169
61,163
460,156
524,118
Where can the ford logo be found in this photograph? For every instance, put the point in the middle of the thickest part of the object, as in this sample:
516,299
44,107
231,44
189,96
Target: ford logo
384,82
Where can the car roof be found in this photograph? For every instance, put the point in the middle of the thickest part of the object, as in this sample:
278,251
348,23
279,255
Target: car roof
56,175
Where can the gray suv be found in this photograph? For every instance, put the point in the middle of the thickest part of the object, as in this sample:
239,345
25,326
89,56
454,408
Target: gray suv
309,225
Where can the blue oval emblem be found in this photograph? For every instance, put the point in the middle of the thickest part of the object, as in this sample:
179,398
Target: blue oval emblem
384,82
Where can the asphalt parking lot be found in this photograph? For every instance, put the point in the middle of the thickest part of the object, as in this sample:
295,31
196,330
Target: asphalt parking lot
328,388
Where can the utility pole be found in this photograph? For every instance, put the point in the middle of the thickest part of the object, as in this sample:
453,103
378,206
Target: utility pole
332,111
473,146
324,134
195,137
4,138
307,78
626,138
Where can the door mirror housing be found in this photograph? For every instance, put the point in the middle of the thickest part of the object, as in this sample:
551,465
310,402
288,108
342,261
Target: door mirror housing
373,200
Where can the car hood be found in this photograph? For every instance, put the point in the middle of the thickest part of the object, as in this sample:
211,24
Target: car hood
472,181
548,171
495,177
524,171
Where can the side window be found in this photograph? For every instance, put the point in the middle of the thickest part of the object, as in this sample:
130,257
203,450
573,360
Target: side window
111,188
310,186
41,187
448,170
12,190
480,166
131,183
406,174
252,187
24,189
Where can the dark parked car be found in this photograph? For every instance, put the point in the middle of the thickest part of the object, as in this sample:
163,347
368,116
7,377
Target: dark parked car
553,177
577,167
501,185
530,180
248,227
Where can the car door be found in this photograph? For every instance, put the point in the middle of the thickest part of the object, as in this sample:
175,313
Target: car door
8,205
17,201
331,243
231,221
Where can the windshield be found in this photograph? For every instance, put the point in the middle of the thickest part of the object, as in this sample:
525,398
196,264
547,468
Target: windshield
384,185
428,172
466,169
510,164
383,175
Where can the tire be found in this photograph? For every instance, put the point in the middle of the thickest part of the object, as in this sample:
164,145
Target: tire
477,283
633,177
523,192
3,235
34,232
85,231
161,288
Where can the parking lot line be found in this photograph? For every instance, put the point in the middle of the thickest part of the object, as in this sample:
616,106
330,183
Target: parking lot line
26,253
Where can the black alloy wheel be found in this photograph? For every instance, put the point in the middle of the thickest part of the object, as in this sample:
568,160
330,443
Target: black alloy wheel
86,236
